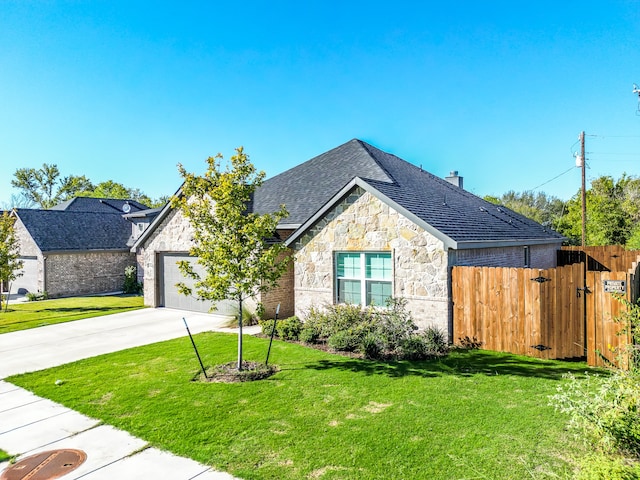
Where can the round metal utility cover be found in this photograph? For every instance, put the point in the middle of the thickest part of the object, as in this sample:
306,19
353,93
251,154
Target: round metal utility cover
45,465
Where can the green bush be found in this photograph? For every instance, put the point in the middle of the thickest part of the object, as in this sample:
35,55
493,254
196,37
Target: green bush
286,329
289,328
372,346
435,340
603,467
344,341
267,326
413,348
605,412
395,324
309,334
375,332
34,297
131,284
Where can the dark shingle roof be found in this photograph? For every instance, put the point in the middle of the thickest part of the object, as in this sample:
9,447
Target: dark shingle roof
63,230
307,187
456,213
99,205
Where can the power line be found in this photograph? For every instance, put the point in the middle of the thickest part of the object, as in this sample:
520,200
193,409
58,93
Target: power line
551,180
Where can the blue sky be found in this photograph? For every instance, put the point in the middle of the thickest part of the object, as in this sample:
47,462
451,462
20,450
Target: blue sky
125,90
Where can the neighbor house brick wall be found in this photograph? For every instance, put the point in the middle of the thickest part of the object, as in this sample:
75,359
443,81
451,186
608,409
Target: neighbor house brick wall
542,256
361,222
85,273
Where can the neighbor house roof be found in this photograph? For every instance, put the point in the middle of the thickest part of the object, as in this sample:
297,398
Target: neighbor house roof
63,230
100,205
458,217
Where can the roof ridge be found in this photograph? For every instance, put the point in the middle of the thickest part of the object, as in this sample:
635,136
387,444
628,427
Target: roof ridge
367,147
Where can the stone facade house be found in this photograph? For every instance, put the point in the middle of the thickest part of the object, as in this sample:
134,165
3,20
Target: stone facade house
78,247
365,225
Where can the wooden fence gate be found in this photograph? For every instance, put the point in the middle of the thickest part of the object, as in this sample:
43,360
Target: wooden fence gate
602,308
563,312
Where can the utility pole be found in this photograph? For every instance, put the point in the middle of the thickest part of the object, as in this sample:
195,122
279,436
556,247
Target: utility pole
584,193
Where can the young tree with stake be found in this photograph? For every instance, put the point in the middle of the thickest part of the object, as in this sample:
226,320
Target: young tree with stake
230,242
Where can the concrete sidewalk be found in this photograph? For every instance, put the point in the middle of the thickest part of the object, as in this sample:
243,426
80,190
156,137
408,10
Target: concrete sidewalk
30,424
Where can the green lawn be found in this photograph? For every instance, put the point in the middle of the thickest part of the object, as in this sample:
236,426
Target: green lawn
21,316
473,415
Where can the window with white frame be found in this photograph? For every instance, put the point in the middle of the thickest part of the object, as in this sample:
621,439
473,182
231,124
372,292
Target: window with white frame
363,278
527,257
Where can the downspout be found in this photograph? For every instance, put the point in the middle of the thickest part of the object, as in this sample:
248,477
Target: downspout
44,273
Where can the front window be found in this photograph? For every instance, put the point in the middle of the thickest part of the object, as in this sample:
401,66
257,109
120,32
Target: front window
363,278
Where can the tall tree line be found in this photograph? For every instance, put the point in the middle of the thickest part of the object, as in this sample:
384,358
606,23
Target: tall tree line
612,207
45,187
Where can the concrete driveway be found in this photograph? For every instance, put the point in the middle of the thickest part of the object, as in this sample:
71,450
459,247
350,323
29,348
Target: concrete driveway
30,424
52,345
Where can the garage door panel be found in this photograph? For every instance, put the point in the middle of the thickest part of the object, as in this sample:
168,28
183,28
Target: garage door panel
28,281
171,276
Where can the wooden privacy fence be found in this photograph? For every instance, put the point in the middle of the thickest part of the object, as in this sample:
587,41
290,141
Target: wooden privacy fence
561,312
612,258
521,310
602,308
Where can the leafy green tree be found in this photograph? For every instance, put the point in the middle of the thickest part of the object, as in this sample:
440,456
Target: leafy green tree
613,213
108,189
230,242
540,207
45,188
10,261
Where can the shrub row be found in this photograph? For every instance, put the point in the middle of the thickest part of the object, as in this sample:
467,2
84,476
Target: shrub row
376,333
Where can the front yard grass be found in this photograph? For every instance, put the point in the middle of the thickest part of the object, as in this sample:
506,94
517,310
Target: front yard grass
472,415
21,316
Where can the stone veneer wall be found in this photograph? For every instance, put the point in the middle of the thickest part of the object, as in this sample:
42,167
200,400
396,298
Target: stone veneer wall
541,256
85,272
361,222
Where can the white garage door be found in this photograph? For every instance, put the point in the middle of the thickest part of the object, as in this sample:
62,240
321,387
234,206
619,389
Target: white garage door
28,281
169,295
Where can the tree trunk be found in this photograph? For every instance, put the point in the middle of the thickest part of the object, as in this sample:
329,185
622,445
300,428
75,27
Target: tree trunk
240,334
6,305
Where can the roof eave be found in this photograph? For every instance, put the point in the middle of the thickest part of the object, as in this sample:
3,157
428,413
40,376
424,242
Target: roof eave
469,244
85,250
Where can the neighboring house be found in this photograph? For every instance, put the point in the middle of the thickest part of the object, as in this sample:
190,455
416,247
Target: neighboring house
77,247
365,225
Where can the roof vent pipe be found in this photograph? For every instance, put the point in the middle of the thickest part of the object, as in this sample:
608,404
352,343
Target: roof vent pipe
454,178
